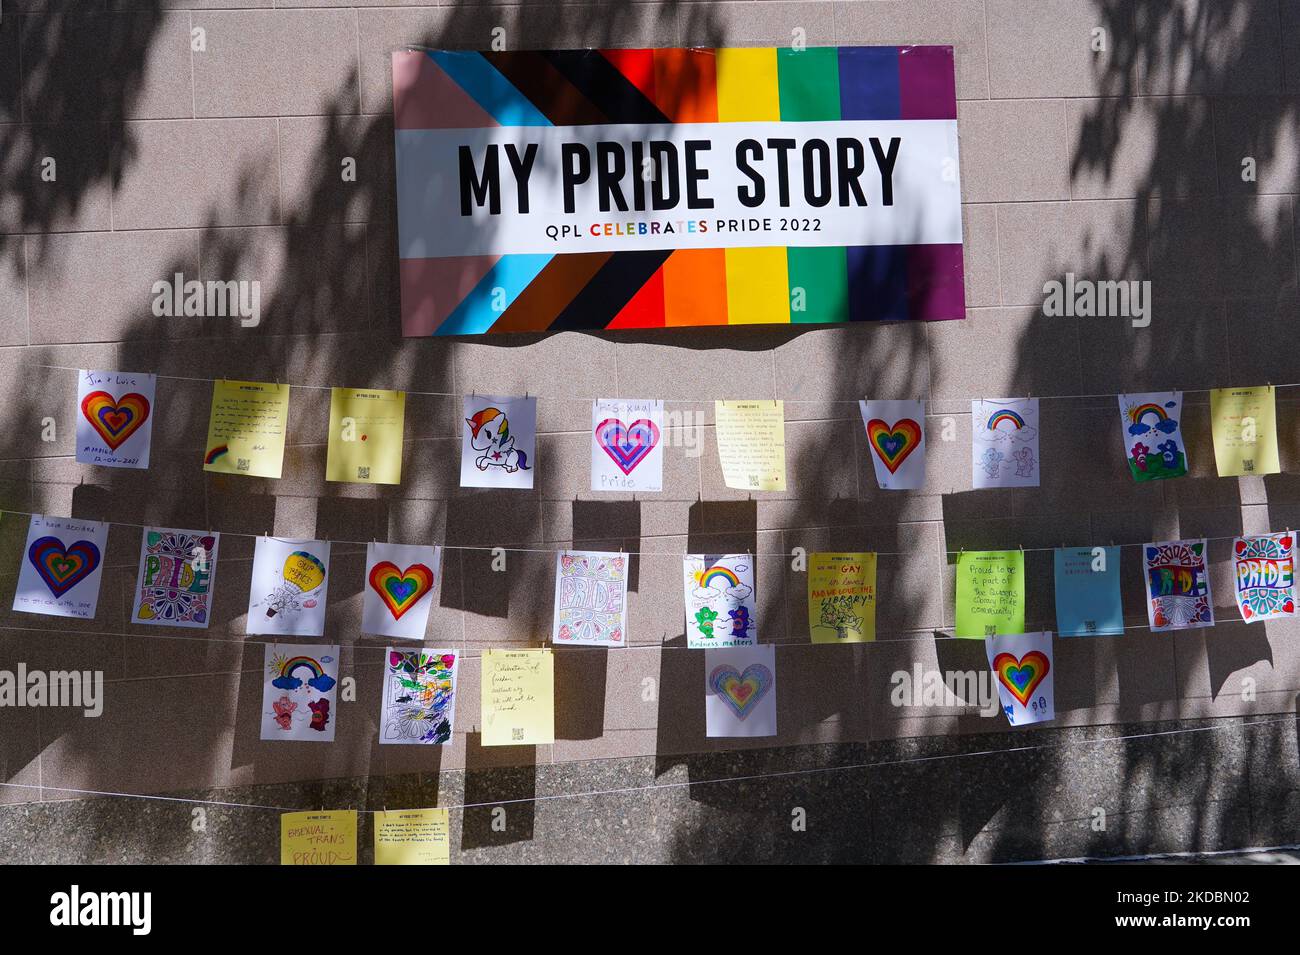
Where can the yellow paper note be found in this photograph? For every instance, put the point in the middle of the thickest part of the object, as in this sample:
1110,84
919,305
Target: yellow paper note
842,598
751,444
328,837
1245,430
518,695
412,837
246,428
365,443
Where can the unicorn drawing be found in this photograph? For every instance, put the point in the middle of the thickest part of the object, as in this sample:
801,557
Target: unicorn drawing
490,433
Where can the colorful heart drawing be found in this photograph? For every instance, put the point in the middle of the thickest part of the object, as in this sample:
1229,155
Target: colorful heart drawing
115,420
62,568
740,691
627,444
893,444
400,590
1022,676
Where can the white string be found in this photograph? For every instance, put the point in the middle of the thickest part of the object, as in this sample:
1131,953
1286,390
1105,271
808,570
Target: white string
933,634
635,553
693,401
653,787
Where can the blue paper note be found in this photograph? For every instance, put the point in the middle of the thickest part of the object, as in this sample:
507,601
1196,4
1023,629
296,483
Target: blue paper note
1087,592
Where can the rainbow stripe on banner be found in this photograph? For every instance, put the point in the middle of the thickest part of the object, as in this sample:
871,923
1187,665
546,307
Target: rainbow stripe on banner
653,288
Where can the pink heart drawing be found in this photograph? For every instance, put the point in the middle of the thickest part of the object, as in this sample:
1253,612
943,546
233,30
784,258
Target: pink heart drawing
627,445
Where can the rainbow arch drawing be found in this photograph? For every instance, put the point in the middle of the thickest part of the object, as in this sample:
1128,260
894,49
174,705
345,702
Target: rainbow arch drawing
1150,408
728,576
1005,416
319,679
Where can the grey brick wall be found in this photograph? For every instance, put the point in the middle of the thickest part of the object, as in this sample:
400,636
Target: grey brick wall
1124,163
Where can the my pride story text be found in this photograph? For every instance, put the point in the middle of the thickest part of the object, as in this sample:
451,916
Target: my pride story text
815,172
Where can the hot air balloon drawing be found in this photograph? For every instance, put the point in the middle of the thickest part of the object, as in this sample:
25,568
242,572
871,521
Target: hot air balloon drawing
303,574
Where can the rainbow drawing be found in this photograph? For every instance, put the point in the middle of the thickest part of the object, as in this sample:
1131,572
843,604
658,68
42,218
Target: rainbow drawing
319,679
1005,416
476,294
728,576
215,453
1139,412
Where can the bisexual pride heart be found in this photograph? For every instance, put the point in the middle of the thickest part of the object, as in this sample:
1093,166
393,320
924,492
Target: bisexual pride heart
893,443
740,691
62,568
400,590
115,420
627,444
1021,676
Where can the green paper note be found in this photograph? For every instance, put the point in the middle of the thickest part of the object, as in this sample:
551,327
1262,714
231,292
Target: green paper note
990,593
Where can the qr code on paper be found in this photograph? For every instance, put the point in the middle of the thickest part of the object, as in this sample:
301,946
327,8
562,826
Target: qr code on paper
243,464
363,474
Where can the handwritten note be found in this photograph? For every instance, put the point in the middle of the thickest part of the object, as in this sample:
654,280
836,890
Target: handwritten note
319,838
413,837
1245,430
842,598
518,697
990,593
365,439
246,428
751,444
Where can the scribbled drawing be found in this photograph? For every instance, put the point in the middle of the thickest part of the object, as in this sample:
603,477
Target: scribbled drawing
1178,586
490,434
419,697
299,692
590,598
1152,435
720,589
320,714
284,708
177,573
1264,576
840,614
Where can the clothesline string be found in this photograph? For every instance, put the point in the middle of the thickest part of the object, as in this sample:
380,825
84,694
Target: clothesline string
932,634
489,548
699,401
653,787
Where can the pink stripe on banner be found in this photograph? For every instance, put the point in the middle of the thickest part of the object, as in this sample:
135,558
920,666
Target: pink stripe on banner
935,282
424,97
927,86
432,288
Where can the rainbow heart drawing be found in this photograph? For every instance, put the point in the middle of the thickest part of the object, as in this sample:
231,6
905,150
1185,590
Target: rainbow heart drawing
740,691
115,420
627,444
62,568
400,590
893,443
1022,676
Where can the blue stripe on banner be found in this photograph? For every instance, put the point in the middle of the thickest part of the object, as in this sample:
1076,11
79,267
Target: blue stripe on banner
479,309
496,94
877,283
869,83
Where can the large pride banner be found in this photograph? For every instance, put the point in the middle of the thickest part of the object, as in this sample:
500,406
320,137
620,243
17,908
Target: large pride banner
581,189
